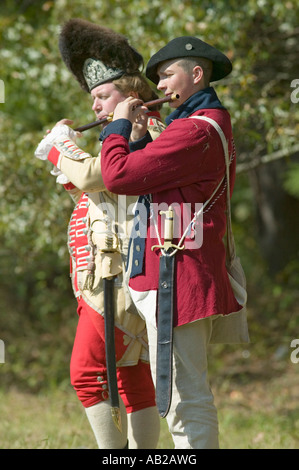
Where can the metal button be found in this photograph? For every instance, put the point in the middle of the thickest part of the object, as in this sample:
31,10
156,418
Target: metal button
188,46
164,284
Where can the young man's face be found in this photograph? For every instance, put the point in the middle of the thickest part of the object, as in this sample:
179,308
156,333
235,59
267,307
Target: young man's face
174,79
105,98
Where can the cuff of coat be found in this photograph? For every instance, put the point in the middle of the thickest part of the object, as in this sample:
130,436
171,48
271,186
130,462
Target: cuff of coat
53,156
69,186
121,127
141,143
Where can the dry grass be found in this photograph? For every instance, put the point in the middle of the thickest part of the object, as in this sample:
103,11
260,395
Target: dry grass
259,414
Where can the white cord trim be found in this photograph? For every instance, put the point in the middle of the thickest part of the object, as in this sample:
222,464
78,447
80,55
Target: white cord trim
227,161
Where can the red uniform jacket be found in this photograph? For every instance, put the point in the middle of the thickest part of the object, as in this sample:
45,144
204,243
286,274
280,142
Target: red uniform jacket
183,165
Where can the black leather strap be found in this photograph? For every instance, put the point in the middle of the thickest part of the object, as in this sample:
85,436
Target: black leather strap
138,235
165,334
110,349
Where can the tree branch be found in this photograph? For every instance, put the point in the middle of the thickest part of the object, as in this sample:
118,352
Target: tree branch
243,167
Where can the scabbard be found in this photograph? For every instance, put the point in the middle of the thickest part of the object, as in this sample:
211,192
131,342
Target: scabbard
110,350
165,334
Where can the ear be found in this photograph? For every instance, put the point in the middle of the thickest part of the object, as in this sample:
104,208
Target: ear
134,94
197,74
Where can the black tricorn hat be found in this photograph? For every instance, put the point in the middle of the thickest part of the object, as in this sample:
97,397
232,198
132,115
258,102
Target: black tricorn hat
189,46
96,54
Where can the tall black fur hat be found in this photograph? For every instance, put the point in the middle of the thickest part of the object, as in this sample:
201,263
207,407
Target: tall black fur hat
96,54
189,46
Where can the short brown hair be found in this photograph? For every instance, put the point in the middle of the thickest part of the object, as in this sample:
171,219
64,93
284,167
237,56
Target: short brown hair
188,64
136,82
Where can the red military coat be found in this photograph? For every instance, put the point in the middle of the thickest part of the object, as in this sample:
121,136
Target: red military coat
183,165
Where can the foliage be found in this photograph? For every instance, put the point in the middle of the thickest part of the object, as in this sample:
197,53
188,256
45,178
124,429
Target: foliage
291,182
261,37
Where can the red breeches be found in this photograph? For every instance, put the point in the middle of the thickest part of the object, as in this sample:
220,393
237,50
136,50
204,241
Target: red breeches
88,366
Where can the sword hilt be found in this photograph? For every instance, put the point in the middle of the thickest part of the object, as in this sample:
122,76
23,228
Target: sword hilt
168,231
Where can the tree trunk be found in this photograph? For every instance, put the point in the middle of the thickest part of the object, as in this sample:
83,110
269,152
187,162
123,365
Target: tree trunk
276,216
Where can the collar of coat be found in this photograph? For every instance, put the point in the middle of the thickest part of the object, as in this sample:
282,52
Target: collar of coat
204,99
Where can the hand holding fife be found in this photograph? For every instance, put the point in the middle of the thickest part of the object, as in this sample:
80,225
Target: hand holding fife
139,128
61,130
129,109
67,122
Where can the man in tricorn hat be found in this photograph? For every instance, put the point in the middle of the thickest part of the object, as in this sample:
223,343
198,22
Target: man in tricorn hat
181,285
107,67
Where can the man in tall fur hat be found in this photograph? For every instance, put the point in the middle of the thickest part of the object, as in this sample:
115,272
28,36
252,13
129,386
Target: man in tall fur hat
107,67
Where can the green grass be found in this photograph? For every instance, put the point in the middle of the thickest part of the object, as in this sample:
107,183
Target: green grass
260,410
257,414
54,421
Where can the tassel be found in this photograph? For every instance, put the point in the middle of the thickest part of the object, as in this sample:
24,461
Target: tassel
89,281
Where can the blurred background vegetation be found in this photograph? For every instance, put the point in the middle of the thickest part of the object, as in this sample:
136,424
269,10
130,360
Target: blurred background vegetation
38,312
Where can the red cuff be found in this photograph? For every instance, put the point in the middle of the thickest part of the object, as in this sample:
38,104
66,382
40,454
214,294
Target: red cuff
69,186
54,156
